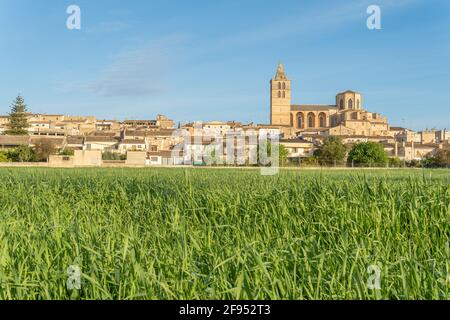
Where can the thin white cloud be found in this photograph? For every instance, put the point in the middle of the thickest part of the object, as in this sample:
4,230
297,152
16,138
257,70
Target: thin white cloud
136,72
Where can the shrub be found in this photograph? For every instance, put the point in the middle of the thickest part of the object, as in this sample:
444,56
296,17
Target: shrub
4,156
22,154
112,156
368,154
67,152
333,151
395,162
440,159
310,161
414,164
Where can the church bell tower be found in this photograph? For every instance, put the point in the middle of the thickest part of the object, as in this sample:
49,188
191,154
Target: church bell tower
280,98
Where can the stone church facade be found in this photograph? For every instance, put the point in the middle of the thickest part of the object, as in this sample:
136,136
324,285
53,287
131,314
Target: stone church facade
346,118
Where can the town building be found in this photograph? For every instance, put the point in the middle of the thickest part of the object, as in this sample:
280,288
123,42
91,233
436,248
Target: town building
300,128
346,117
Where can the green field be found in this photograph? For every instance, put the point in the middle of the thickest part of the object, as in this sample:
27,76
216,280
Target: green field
224,234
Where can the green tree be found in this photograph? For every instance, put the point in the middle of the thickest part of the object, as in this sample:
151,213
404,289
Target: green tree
440,159
4,156
271,149
21,154
332,151
43,149
18,123
368,154
283,154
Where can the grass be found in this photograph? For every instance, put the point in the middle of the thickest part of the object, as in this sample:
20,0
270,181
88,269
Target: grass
224,234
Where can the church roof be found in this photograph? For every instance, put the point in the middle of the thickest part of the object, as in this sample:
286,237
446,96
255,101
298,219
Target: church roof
280,75
311,107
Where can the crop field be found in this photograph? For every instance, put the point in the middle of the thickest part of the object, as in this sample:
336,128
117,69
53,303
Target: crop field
224,234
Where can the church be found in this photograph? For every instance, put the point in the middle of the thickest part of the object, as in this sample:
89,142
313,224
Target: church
346,118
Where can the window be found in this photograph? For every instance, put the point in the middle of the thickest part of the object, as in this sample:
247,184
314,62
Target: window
341,104
279,94
310,121
300,121
322,121
284,86
279,85
284,94
350,104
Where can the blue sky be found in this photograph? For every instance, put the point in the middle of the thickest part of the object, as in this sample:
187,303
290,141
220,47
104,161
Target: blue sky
212,60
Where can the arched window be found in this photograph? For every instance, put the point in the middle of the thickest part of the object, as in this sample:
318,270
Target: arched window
284,86
341,104
284,94
350,104
311,120
279,85
279,94
300,124
322,120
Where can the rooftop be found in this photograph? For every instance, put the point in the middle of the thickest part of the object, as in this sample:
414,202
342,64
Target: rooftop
14,140
312,107
133,141
101,139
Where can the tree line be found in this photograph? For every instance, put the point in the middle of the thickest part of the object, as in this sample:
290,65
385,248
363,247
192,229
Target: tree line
370,154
